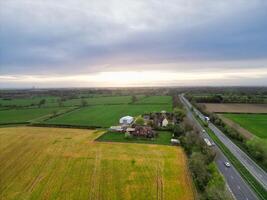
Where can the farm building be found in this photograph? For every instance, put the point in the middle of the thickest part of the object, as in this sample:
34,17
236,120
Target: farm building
116,128
126,120
160,119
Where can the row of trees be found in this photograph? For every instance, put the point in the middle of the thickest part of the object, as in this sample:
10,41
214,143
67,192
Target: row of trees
233,98
209,182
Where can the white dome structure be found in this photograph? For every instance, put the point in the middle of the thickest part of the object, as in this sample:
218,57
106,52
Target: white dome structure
126,120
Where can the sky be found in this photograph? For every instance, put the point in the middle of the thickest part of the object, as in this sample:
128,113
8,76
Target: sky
115,43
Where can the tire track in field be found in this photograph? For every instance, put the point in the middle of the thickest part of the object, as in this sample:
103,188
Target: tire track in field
155,171
94,192
29,157
46,182
11,142
41,166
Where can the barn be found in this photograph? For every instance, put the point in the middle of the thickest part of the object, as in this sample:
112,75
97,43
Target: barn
126,120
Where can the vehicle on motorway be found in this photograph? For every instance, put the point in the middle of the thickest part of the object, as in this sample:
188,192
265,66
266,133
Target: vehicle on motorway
227,164
208,142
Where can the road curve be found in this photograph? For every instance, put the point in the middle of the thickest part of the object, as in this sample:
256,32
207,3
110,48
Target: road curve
236,184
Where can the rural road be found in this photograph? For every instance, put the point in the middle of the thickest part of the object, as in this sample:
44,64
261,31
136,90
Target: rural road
235,182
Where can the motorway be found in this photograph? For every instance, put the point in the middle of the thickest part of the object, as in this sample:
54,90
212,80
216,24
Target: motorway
236,184
251,166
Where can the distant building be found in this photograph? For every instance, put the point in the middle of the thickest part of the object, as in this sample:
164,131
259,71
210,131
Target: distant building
130,130
127,120
164,122
116,128
175,142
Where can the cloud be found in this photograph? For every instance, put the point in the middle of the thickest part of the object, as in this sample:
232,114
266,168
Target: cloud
74,37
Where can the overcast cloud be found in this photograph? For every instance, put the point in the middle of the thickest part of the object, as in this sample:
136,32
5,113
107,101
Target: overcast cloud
64,37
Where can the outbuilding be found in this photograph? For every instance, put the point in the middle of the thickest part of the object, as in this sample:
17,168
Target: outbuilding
126,120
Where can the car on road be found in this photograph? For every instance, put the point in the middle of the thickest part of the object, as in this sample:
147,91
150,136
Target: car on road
227,164
207,119
203,131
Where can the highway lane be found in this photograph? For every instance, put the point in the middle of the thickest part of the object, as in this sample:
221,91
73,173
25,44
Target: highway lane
251,166
235,182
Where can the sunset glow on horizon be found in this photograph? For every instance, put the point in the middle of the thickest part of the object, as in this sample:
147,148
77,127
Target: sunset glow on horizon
117,43
135,78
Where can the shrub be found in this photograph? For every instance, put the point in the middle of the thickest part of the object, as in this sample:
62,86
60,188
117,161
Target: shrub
128,135
139,121
199,170
178,130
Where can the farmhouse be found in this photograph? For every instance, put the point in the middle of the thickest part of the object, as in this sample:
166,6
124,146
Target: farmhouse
160,119
164,122
126,120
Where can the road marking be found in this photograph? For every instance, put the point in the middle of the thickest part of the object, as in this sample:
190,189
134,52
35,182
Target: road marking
238,187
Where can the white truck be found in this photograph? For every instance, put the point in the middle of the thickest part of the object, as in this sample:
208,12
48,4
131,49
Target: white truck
208,142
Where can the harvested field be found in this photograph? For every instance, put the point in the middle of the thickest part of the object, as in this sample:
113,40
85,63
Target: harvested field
52,163
235,108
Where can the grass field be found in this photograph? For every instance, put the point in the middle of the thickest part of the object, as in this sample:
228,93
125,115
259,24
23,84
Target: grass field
27,114
100,100
105,115
155,100
163,138
50,163
254,123
50,101
235,108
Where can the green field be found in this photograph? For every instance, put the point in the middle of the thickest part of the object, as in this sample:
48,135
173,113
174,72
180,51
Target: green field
254,123
163,138
105,115
100,100
155,100
50,101
52,163
27,114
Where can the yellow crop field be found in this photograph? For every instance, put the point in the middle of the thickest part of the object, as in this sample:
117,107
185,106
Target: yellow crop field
56,163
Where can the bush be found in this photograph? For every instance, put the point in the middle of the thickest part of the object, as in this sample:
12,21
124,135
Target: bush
216,189
178,130
179,114
199,170
257,147
139,121
128,135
